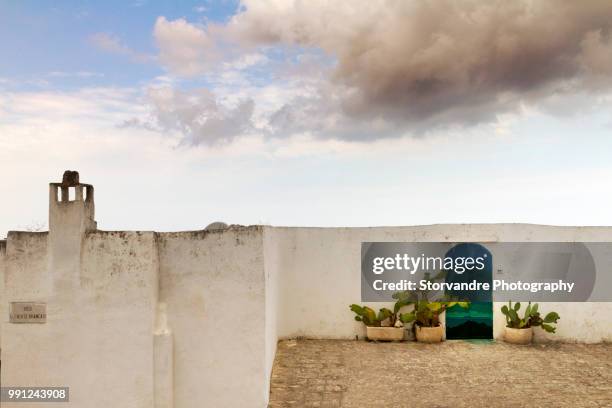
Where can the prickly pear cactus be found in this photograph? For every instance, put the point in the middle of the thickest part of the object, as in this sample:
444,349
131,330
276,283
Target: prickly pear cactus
531,317
369,317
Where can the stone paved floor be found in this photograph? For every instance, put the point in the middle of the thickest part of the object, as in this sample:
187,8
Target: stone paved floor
358,374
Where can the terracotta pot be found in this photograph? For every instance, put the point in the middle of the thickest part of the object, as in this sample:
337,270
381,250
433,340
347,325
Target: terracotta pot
385,333
429,334
518,336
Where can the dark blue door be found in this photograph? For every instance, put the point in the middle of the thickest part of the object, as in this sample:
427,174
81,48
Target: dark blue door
476,322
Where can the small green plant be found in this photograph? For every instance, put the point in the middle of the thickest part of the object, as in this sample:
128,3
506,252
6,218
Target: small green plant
426,313
369,317
531,318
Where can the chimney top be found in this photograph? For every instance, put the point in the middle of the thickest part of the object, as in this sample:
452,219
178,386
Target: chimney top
70,179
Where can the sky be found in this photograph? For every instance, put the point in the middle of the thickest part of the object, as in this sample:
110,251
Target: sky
345,113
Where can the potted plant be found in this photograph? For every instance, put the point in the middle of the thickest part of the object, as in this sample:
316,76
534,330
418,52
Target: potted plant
386,325
426,318
520,330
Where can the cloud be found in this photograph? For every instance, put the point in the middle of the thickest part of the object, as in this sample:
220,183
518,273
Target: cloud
109,43
198,115
189,50
596,54
248,61
96,106
186,49
411,67
112,44
76,129
77,74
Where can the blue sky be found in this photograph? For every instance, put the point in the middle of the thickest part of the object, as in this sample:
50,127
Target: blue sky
46,37
318,114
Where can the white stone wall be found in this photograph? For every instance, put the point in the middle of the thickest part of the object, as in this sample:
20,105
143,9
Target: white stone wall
117,300
98,332
272,262
103,327
319,276
25,346
191,319
3,301
214,288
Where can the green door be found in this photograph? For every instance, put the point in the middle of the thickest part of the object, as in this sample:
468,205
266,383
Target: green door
476,322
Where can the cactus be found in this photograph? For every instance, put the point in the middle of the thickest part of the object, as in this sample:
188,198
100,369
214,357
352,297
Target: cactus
531,318
426,313
369,317
366,315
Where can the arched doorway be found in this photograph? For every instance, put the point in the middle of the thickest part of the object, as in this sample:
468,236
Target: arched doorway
475,322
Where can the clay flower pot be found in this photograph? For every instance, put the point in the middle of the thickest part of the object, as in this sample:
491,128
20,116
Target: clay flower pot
429,334
385,333
518,336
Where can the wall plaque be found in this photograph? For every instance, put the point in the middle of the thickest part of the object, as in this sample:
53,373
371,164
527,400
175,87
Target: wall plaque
27,312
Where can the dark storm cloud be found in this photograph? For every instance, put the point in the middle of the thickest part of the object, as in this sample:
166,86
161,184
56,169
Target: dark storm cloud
413,66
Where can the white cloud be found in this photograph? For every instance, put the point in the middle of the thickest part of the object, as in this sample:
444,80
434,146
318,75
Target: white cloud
248,61
185,49
102,104
77,74
488,178
199,115
112,44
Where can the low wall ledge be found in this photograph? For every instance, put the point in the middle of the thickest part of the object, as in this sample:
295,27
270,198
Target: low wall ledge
199,234
22,234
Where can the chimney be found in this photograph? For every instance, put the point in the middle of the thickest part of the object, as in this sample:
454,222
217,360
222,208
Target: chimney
71,216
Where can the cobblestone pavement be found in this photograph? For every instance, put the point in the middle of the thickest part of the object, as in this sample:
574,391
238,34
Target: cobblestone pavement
351,374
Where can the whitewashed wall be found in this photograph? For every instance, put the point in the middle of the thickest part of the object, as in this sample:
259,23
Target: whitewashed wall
138,319
227,297
103,325
213,286
319,275
3,301
271,265
98,332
